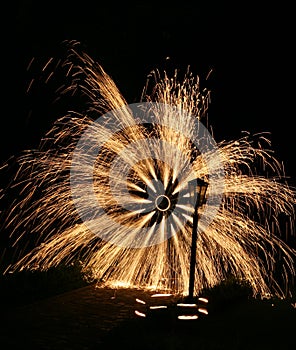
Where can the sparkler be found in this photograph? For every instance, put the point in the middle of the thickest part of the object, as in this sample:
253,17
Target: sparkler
107,187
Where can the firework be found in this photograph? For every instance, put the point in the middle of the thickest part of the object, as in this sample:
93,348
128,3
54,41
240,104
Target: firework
108,187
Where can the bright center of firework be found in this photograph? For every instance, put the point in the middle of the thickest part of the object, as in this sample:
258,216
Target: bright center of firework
162,202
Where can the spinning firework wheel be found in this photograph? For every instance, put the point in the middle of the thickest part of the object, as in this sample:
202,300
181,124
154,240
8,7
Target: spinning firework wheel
137,174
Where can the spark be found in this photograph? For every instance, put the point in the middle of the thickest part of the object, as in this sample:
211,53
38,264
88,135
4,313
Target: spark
244,238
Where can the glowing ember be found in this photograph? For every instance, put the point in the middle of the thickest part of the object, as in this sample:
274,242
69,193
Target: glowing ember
141,314
203,300
188,317
186,305
95,206
160,295
203,311
158,307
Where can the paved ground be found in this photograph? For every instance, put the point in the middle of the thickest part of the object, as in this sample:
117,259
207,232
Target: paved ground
92,318
74,320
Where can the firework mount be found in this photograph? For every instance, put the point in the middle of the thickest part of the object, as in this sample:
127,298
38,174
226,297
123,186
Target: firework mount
189,308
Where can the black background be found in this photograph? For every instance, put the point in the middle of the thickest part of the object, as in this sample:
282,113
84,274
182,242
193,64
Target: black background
248,46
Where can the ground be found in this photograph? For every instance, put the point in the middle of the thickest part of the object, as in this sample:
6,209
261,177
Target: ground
92,317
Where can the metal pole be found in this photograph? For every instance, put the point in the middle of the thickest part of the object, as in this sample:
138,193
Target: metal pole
193,252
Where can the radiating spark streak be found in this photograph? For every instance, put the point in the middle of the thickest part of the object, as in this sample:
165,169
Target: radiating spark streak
187,208
244,239
30,85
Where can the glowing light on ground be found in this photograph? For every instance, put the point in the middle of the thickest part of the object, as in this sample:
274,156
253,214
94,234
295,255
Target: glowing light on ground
203,311
141,314
245,238
188,317
205,300
158,307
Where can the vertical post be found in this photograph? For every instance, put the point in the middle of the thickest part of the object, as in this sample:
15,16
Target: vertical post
193,252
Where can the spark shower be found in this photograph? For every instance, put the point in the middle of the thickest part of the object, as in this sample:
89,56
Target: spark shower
108,187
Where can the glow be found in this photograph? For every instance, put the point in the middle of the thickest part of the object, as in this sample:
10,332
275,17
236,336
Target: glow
186,305
203,311
158,307
204,300
119,284
186,317
140,301
141,314
160,295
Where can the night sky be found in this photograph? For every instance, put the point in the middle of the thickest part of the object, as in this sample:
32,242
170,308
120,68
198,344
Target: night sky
249,49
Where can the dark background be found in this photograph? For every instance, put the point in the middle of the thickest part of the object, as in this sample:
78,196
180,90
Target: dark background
248,47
